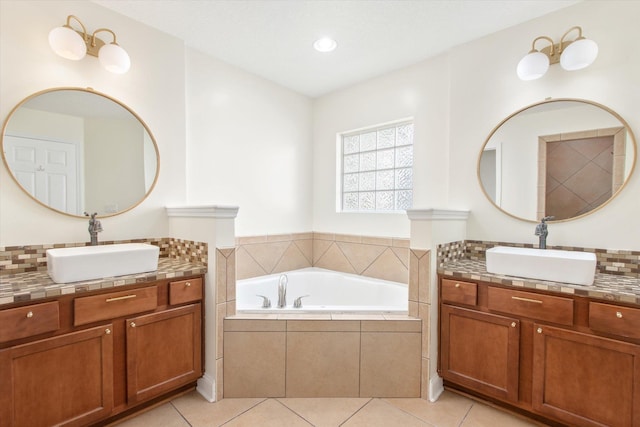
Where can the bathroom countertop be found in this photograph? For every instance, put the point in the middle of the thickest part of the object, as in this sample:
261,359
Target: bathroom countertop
32,286
610,287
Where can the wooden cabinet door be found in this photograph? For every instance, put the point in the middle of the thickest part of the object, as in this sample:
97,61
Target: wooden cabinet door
480,351
585,380
164,351
64,380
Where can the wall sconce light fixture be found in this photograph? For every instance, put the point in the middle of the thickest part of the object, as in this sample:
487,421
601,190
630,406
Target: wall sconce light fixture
74,44
572,55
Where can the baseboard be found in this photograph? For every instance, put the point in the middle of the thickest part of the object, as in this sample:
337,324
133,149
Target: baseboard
207,387
436,387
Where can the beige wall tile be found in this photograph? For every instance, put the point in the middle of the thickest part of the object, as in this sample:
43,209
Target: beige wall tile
246,266
349,238
320,247
254,325
219,378
231,308
221,313
292,259
323,326
388,267
249,240
413,309
254,364
424,312
306,247
324,236
334,259
231,278
302,236
360,256
323,364
304,316
424,284
408,325
226,251
401,243
221,277
390,364
279,238
424,387
414,276
403,255
381,241
268,254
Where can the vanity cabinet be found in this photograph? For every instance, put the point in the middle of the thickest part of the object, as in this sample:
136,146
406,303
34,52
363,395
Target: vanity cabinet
563,359
82,360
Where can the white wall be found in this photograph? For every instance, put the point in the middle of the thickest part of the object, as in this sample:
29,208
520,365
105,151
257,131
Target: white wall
421,92
481,98
458,98
153,88
249,146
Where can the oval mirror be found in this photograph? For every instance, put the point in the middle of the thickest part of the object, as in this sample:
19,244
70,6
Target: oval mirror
563,158
76,150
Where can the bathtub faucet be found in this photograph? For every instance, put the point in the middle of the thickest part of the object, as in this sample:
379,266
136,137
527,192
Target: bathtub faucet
282,291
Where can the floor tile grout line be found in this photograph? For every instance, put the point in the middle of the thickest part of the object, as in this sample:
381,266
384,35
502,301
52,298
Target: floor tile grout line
359,409
244,412
387,402
467,414
293,410
181,414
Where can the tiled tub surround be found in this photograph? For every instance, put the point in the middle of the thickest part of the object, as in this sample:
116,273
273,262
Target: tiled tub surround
23,272
379,257
322,358
617,272
385,258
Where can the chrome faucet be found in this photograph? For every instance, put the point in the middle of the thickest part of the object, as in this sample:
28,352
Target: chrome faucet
542,232
282,291
94,228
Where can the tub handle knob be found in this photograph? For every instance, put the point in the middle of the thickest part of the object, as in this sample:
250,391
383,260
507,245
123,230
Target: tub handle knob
266,302
297,303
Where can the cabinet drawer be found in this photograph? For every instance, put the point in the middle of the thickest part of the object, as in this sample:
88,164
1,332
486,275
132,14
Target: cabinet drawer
456,291
185,291
615,320
30,320
535,306
114,304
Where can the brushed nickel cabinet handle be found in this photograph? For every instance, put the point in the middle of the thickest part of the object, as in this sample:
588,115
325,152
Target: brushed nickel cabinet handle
539,330
107,331
121,298
513,324
30,315
132,324
535,301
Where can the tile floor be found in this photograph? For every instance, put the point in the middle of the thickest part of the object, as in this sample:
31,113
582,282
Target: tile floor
451,410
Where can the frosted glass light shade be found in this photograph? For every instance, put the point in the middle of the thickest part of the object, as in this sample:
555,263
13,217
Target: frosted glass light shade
114,58
67,43
325,44
579,54
533,66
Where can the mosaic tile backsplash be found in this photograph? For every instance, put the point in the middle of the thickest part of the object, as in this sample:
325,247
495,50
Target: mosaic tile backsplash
609,261
31,258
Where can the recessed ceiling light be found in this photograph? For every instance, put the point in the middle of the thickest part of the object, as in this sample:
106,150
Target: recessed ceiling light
325,44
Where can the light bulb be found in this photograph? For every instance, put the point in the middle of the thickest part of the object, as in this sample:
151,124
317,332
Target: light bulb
114,58
533,66
67,43
579,54
325,44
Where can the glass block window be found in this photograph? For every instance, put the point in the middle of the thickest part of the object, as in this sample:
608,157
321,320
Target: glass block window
377,168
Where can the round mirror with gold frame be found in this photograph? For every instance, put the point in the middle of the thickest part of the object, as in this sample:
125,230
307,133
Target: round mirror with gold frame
563,158
76,150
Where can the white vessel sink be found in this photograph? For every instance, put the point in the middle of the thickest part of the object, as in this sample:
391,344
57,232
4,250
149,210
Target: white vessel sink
66,265
543,264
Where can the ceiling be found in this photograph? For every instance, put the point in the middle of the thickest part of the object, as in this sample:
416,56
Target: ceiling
273,38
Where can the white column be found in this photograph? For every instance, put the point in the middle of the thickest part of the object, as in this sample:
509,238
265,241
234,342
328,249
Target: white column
429,228
215,226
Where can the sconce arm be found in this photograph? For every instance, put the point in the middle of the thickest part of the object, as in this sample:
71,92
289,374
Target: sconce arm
94,38
533,45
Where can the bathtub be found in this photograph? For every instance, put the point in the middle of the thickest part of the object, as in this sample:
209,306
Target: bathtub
329,292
